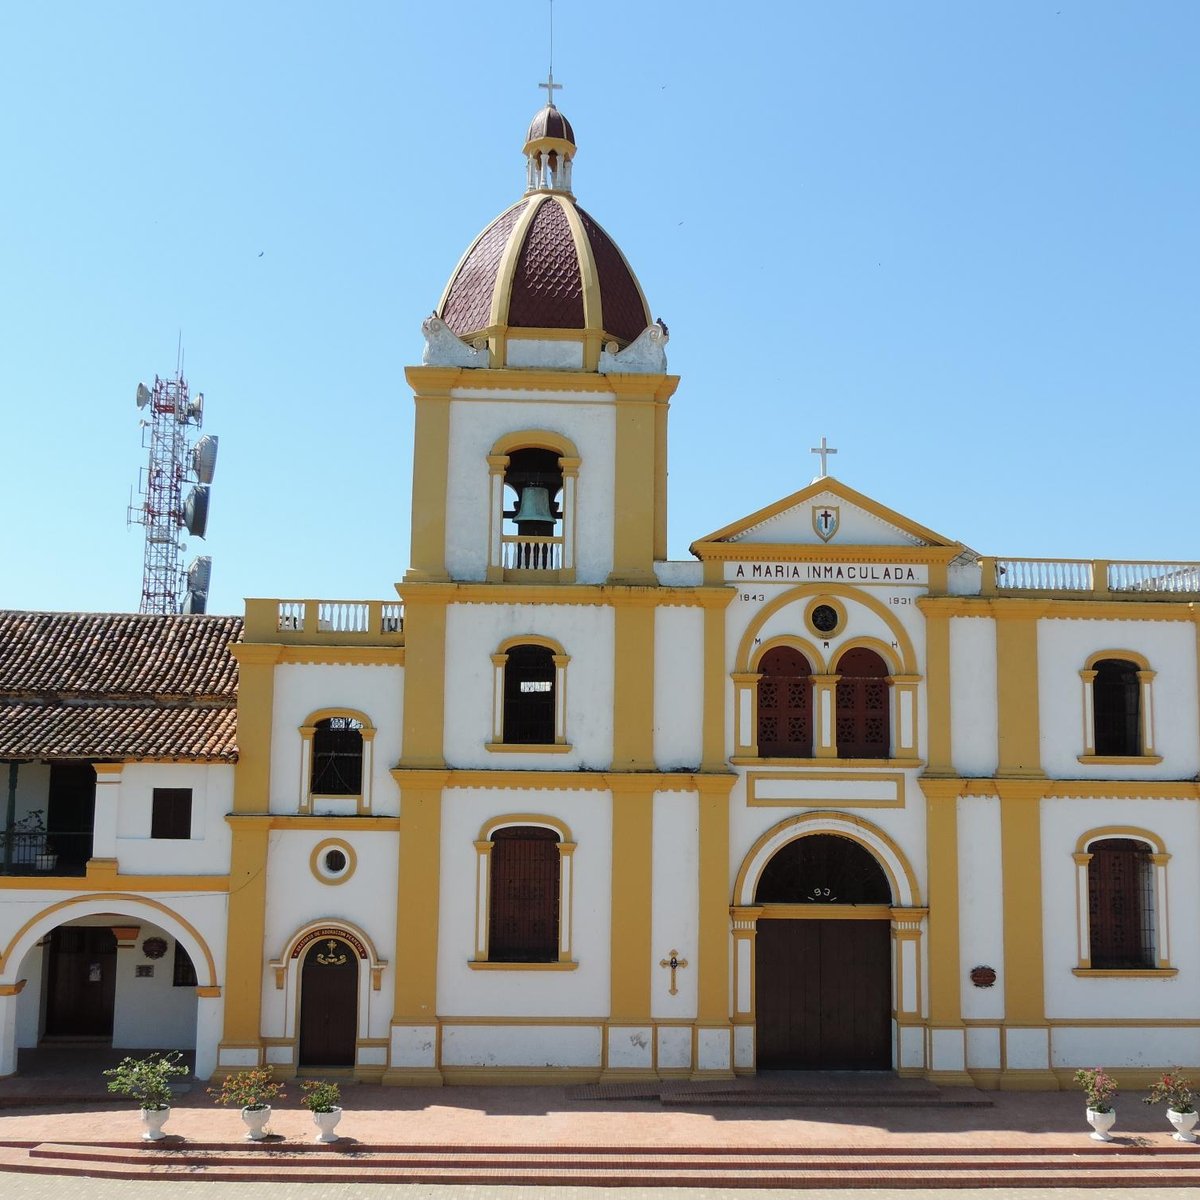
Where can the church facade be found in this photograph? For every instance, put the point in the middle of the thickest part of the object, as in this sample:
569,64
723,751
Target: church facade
837,793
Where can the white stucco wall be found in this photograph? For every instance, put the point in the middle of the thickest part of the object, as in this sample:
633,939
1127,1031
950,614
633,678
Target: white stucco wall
980,912
475,632
302,689
152,1013
478,420
1177,824
674,918
1170,646
206,852
973,699
583,992
678,687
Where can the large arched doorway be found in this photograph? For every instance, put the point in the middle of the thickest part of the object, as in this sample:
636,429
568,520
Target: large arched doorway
823,986
329,1004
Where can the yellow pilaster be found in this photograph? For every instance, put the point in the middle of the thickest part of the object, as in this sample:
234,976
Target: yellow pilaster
633,690
1017,696
713,752
660,480
415,1057
714,1029
632,889
939,755
431,465
634,525
424,678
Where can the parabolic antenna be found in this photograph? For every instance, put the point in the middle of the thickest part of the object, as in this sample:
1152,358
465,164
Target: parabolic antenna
199,573
195,603
195,510
143,395
204,458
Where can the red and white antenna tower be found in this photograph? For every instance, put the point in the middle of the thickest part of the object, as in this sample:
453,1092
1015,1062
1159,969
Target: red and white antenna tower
171,422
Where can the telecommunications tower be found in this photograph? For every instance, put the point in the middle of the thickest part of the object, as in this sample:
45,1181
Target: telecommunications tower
177,457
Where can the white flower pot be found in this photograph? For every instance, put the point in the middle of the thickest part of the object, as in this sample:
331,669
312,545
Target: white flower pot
256,1120
1101,1123
326,1123
154,1119
1184,1123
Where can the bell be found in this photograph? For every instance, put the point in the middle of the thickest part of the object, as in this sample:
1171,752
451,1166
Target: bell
534,516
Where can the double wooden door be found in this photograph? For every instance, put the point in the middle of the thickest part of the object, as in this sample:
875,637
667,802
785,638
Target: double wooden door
823,995
82,984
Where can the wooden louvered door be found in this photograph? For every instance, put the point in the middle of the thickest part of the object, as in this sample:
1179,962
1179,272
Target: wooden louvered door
823,995
524,895
863,720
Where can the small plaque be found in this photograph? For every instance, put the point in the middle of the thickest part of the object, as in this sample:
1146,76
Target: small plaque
144,971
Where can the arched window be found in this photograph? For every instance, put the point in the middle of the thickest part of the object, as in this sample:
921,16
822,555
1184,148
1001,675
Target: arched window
785,704
337,757
1120,877
533,482
823,868
524,895
1116,708
862,705
529,695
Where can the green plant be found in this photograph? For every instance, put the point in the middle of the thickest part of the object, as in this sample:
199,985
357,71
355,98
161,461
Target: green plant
1099,1087
253,1089
147,1080
320,1095
1175,1089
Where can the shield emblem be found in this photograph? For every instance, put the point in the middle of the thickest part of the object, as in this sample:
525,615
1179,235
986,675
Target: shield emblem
825,519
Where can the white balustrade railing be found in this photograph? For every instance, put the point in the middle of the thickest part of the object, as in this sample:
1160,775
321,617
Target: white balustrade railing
528,553
343,616
366,617
1153,577
1044,574
391,618
291,614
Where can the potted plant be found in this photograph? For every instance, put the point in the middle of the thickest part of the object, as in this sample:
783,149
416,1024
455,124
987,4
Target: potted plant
1175,1090
252,1091
28,835
1100,1089
148,1081
321,1098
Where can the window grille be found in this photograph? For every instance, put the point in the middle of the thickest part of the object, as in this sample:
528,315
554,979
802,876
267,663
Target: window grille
785,704
337,754
1121,904
823,868
184,974
862,705
523,921
1116,696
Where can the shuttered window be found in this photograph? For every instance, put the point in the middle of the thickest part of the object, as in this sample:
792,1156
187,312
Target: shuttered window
171,813
337,754
1121,904
785,704
862,705
1116,696
523,925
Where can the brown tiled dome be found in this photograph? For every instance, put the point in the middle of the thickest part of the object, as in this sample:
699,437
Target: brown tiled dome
550,123
545,264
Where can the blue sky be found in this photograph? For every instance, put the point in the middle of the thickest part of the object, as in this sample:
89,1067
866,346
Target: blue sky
959,239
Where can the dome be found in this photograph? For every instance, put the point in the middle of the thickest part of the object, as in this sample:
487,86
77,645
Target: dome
550,123
545,264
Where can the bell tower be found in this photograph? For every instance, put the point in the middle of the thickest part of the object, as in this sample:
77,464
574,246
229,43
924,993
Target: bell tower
540,450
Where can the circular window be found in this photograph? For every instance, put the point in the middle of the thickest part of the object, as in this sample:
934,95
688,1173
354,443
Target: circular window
333,861
826,616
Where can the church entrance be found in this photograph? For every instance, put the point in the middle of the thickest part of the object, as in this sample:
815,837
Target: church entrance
823,976
329,1004
82,982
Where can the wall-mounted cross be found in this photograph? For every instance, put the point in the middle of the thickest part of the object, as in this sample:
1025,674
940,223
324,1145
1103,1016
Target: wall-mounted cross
823,450
674,962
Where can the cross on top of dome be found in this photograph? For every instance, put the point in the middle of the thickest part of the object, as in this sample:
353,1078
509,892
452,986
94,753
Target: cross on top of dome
549,146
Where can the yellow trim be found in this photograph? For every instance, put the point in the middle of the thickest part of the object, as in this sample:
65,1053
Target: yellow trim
330,824
837,606
336,923
417,890
1018,732
593,308
1126,972
821,819
816,660
1021,856
824,761
322,848
424,680
499,690
713,747
941,842
1018,608
567,781
939,714
534,439
1119,760
633,690
528,747
431,466
13,989
826,912
209,962
907,661
634,485
469,383
490,826
1099,834
531,639
874,644
99,879
487,965
712,934
631,900
350,656
308,730
596,595
506,271
754,777
820,487
1130,656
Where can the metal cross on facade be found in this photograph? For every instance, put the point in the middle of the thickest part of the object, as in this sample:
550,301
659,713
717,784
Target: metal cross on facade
823,450
551,87
674,962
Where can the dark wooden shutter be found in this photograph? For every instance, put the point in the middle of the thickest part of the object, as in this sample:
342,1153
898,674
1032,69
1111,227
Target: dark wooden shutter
337,751
171,814
1121,904
524,895
529,696
785,704
1116,697
862,705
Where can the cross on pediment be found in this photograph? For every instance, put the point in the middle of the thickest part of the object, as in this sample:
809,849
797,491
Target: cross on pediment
824,451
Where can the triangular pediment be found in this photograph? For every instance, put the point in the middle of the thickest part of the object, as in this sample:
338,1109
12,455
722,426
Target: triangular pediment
827,513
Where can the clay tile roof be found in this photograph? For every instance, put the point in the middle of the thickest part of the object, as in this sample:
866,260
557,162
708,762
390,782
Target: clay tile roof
547,288
117,685
550,123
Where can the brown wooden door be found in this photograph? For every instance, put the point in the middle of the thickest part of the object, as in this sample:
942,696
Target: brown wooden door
82,982
329,1005
823,995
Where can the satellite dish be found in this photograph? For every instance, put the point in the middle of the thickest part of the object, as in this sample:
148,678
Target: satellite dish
196,408
143,395
195,510
199,573
204,458
195,603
